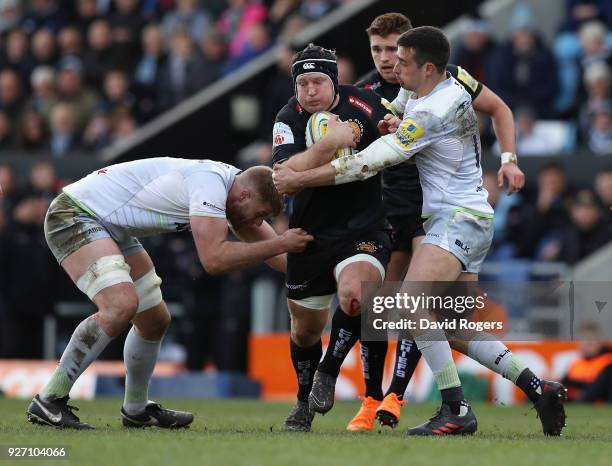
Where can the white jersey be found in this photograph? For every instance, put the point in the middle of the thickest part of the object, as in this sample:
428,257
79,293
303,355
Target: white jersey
442,129
151,196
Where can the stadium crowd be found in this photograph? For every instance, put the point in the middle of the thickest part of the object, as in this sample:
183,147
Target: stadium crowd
75,76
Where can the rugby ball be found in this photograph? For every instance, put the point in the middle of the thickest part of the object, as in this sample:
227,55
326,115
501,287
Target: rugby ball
316,128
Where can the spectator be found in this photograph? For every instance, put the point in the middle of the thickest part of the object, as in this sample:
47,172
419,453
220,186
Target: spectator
147,73
236,22
43,96
44,182
316,9
126,28
294,26
124,126
588,230
33,132
70,41
64,135
598,83
102,55
582,11
97,132
346,71
280,12
87,13
182,74
11,96
603,187
44,14
10,193
214,52
278,91
10,14
600,133
43,47
258,43
525,72
593,40
187,17
477,50
17,55
541,223
6,133
117,99
70,89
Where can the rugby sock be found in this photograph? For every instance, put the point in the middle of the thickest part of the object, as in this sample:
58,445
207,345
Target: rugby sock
305,362
139,356
87,342
344,334
494,355
407,356
373,362
530,384
437,352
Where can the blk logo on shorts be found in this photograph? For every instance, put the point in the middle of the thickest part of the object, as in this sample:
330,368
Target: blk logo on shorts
464,247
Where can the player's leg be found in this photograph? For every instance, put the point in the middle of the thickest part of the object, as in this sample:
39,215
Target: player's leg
142,346
308,319
346,323
407,357
99,270
547,396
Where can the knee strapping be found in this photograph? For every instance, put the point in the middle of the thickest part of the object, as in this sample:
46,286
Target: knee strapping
106,271
148,291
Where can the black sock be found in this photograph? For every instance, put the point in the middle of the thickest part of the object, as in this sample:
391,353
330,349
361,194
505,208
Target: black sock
305,361
407,357
344,334
373,361
530,384
453,398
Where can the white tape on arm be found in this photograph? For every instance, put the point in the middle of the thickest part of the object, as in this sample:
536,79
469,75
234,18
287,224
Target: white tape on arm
367,163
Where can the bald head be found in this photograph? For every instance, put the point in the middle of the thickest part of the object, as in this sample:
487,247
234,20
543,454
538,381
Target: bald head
259,182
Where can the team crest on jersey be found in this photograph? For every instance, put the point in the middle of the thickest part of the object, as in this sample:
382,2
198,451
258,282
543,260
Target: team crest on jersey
357,128
367,246
408,133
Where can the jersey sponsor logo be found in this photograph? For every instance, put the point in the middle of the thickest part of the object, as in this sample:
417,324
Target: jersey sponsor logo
361,105
281,134
408,133
212,206
367,246
308,66
371,86
467,79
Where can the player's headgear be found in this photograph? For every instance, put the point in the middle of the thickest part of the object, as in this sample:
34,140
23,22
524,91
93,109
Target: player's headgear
315,59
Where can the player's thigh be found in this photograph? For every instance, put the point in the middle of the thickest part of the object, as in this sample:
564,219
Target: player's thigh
398,264
307,320
432,263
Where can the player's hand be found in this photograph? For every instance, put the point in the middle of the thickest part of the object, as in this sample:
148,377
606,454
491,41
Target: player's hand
514,175
296,239
389,124
340,133
286,180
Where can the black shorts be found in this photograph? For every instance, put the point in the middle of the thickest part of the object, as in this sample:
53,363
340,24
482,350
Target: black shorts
404,228
311,273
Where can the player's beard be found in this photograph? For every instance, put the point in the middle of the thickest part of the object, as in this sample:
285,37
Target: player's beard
236,214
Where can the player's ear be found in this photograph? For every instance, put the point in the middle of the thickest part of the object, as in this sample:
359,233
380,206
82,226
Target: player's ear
245,194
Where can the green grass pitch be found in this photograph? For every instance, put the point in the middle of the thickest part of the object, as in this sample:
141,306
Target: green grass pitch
247,432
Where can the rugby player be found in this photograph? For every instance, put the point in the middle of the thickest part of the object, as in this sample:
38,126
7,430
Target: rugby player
439,126
347,222
92,229
403,199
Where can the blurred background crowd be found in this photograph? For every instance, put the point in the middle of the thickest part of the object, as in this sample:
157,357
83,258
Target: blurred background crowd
79,75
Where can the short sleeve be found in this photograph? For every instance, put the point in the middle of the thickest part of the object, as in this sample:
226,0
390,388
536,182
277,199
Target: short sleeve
412,136
471,84
207,194
287,140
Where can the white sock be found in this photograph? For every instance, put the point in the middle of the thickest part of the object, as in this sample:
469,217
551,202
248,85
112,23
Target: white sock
437,352
494,355
139,356
87,342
